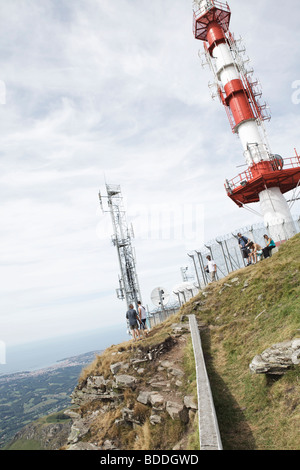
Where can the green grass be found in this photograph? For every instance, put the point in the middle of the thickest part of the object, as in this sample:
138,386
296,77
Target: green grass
240,320
26,444
254,411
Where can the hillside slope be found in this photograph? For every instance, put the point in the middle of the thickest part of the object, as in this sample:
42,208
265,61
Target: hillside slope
246,317
240,316
142,395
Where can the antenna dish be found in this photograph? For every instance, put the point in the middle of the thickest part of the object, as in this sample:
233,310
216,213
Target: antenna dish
160,297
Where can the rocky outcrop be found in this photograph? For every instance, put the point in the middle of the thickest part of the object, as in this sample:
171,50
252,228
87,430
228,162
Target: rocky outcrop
156,398
45,435
277,359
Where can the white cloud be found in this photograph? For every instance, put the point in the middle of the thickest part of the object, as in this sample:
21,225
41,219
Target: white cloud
115,90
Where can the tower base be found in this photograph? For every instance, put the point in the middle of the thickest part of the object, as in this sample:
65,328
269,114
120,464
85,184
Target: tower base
277,215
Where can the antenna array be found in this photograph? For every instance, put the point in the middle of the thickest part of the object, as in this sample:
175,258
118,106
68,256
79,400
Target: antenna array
128,280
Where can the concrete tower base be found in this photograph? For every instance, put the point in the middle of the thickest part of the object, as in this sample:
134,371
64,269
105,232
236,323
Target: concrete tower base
277,215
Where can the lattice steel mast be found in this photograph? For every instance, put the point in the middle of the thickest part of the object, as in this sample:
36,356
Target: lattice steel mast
128,280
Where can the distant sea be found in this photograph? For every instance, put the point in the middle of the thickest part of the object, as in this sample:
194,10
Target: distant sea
42,354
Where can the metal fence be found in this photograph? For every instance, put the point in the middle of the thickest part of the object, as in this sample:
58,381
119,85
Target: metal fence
226,253
157,316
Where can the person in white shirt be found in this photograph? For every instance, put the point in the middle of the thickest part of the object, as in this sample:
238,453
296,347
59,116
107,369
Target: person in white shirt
212,268
142,317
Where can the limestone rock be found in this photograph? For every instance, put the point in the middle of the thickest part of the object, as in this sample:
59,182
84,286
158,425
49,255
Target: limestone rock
128,416
109,445
180,328
78,430
177,411
190,402
156,400
155,419
277,359
116,367
96,381
144,397
166,364
125,381
176,372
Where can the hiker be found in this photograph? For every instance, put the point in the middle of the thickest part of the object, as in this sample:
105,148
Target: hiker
211,267
142,317
256,252
270,244
243,244
133,319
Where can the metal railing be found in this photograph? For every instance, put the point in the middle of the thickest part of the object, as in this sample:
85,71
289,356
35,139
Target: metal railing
226,253
158,316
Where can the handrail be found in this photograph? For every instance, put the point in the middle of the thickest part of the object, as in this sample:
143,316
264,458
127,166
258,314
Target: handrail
209,5
246,176
209,433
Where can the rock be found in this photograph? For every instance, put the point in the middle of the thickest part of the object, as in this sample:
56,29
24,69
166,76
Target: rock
144,397
190,402
156,400
166,364
96,381
160,385
176,372
78,430
235,279
180,327
126,381
72,414
177,411
109,445
277,359
155,419
128,416
116,367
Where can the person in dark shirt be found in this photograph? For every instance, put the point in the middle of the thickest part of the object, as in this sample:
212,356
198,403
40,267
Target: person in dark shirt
133,320
244,244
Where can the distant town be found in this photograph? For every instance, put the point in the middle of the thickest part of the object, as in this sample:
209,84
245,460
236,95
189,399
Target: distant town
26,396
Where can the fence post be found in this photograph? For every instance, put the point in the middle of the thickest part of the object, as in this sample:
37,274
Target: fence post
196,270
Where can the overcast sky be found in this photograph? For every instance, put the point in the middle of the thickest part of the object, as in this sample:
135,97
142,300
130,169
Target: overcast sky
95,90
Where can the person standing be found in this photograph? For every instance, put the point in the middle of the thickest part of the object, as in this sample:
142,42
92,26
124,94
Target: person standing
212,268
133,319
243,244
143,317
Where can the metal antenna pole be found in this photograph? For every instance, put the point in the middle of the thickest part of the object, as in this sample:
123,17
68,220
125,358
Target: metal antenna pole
129,288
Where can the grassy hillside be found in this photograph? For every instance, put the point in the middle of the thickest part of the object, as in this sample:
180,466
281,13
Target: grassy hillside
240,316
239,320
47,433
246,317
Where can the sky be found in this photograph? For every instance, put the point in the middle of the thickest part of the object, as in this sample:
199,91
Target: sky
101,91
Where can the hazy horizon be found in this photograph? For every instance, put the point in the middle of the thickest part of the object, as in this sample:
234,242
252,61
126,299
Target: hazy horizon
37,355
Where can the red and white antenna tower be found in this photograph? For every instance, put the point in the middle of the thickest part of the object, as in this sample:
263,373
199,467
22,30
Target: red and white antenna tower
268,176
